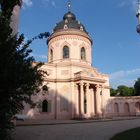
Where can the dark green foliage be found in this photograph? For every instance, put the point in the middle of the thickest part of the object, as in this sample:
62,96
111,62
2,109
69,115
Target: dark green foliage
19,78
137,87
113,92
122,91
125,91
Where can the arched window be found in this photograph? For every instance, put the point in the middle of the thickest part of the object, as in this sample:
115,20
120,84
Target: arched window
65,52
126,108
137,106
83,53
51,55
116,108
45,106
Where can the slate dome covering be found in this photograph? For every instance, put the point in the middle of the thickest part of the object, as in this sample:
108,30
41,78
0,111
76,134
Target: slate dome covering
69,22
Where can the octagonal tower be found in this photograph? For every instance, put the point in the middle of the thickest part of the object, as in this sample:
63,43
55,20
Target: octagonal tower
69,41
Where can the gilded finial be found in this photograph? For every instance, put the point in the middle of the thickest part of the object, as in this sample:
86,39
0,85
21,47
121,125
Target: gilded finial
138,11
68,5
138,16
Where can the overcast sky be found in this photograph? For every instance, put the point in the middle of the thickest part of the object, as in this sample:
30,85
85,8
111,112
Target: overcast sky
110,23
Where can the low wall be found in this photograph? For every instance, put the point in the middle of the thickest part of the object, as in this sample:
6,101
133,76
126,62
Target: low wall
123,106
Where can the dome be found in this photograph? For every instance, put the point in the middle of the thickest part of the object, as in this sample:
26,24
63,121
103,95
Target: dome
69,22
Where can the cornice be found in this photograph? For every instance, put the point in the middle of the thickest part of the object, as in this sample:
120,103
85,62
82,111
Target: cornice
60,35
107,87
129,98
92,80
76,64
98,80
70,64
66,64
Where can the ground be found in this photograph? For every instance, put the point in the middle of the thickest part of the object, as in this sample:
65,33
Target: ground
75,131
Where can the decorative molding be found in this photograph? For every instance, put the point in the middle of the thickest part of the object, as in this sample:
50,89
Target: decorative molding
125,98
70,32
68,37
65,43
91,80
76,64
107,87
70,61
83,45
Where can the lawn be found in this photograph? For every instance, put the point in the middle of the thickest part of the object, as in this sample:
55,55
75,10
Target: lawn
132,134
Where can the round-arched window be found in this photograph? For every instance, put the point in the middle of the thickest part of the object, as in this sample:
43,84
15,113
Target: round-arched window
83,53
45,106
51,55
65,52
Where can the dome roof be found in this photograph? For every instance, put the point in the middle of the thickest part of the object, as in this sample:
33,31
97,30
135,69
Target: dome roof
69,22
69,15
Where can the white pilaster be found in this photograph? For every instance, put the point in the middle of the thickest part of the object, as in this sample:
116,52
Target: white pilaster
102,101
76,101
88,100
73,99
98,101
92,102
81,99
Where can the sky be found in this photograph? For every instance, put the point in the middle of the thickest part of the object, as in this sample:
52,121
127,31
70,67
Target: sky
110,23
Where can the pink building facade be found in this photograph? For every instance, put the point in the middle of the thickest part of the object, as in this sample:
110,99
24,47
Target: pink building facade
75,88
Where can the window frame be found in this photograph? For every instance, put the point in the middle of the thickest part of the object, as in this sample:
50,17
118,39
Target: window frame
83,50
51,55
68,51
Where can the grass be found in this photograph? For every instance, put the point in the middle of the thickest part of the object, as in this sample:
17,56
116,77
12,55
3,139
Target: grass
132,134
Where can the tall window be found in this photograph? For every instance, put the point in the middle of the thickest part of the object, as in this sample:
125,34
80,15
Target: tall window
45,106
51,55
83,53
65,52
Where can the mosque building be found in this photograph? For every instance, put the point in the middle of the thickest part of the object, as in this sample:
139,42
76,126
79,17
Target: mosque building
75,88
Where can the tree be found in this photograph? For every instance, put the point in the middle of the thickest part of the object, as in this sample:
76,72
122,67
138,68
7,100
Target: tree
122,91
137,87
125,91
19,78
113,92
